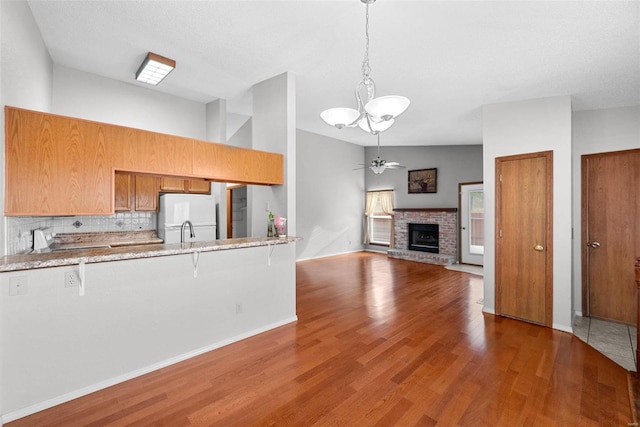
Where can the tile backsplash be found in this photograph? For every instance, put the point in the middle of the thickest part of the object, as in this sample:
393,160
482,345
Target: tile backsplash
20,237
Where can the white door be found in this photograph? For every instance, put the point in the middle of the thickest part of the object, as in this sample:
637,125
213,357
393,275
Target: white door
472,224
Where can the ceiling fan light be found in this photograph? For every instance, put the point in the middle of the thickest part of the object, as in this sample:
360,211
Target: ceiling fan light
340,117
377,169
387,107
375,127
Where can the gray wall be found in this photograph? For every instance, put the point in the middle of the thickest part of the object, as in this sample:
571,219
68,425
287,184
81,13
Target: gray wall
455,164
330,199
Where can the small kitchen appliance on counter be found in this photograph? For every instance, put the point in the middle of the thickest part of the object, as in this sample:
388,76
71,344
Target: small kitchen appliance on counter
177,209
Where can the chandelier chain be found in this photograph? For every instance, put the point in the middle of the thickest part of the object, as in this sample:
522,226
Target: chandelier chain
366,68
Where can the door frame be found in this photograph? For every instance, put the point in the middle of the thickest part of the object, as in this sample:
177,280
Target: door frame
460,185
548,155
584,221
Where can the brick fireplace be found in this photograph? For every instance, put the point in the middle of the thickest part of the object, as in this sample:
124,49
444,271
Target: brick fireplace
445,218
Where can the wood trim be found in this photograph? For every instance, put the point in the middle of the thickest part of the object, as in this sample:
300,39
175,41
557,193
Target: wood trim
584,233
637,273
427,210
548,155
230,212
459,234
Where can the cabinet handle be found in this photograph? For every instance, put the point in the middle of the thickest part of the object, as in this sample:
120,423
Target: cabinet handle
539,248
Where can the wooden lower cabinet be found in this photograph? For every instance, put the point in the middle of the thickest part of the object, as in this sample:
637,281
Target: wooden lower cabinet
136,192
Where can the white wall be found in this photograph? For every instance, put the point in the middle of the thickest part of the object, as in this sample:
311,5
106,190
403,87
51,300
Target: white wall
92,97
274,129
526,127
136,316
330,200
596,131
26,82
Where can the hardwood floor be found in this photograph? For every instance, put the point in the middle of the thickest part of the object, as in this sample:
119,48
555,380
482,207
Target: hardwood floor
379,342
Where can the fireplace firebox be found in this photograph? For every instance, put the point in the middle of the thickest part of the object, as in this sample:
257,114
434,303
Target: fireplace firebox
424,237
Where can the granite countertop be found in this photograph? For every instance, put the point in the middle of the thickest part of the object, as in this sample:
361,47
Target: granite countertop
130,251
111,238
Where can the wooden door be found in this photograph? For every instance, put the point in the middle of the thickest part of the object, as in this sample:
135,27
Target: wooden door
524,237
610,234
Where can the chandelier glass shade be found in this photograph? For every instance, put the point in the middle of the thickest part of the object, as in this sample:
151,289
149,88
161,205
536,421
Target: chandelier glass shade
373,114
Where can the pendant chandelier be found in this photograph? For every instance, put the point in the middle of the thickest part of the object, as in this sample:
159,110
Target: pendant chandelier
373,115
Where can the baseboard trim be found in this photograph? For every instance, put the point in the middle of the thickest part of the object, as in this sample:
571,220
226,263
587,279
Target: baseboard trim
329,255
32,409
563,328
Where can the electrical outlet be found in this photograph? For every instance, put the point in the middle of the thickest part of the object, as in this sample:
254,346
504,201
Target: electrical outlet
70,279
18,286
238,308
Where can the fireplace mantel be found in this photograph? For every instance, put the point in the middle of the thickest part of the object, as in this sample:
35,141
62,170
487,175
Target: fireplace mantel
426,210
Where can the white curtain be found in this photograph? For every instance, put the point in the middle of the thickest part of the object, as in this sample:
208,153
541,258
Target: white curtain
375,199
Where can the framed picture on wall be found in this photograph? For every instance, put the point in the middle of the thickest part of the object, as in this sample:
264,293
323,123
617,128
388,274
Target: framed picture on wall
423,181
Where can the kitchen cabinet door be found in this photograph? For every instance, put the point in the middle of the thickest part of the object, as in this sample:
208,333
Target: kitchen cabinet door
122,192
56,165
147,191
198,187
180,185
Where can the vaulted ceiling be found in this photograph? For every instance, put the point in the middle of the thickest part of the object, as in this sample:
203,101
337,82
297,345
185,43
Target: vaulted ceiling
448,57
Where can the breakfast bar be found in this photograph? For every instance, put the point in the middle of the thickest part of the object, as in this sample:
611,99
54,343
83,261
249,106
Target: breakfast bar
136,309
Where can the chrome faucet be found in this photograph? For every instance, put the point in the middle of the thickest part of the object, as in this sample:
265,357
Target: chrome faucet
184,224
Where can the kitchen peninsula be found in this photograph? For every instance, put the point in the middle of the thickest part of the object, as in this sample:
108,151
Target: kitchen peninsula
74,322
142,308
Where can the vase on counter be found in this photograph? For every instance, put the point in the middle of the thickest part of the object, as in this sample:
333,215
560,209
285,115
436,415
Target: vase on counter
281,227
271,227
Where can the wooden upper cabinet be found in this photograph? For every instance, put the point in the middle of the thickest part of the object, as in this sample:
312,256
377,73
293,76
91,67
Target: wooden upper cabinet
150,152
198,186
123,190
146,193
135,192
224,163
56,165
181,185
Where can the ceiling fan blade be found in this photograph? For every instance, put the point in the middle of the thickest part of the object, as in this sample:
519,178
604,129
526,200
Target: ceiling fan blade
393,163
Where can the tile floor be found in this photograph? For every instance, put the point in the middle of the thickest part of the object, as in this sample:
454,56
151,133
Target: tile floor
617,342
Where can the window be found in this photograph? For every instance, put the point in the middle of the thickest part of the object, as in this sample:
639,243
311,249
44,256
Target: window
379,218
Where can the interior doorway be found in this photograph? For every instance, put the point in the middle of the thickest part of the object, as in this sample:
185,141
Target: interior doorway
524,237
610,234
471,235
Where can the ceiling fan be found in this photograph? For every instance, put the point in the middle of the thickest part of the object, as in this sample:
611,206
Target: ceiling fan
379,165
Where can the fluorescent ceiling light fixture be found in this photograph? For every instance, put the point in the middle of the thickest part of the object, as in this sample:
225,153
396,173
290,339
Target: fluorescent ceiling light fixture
154,68
374,115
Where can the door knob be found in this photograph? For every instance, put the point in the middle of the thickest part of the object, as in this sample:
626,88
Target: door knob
594,244
539,248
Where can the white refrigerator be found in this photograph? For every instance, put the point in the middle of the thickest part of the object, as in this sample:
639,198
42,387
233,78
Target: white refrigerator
175,209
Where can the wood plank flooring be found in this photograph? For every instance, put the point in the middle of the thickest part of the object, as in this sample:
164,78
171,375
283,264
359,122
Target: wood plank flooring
379,342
